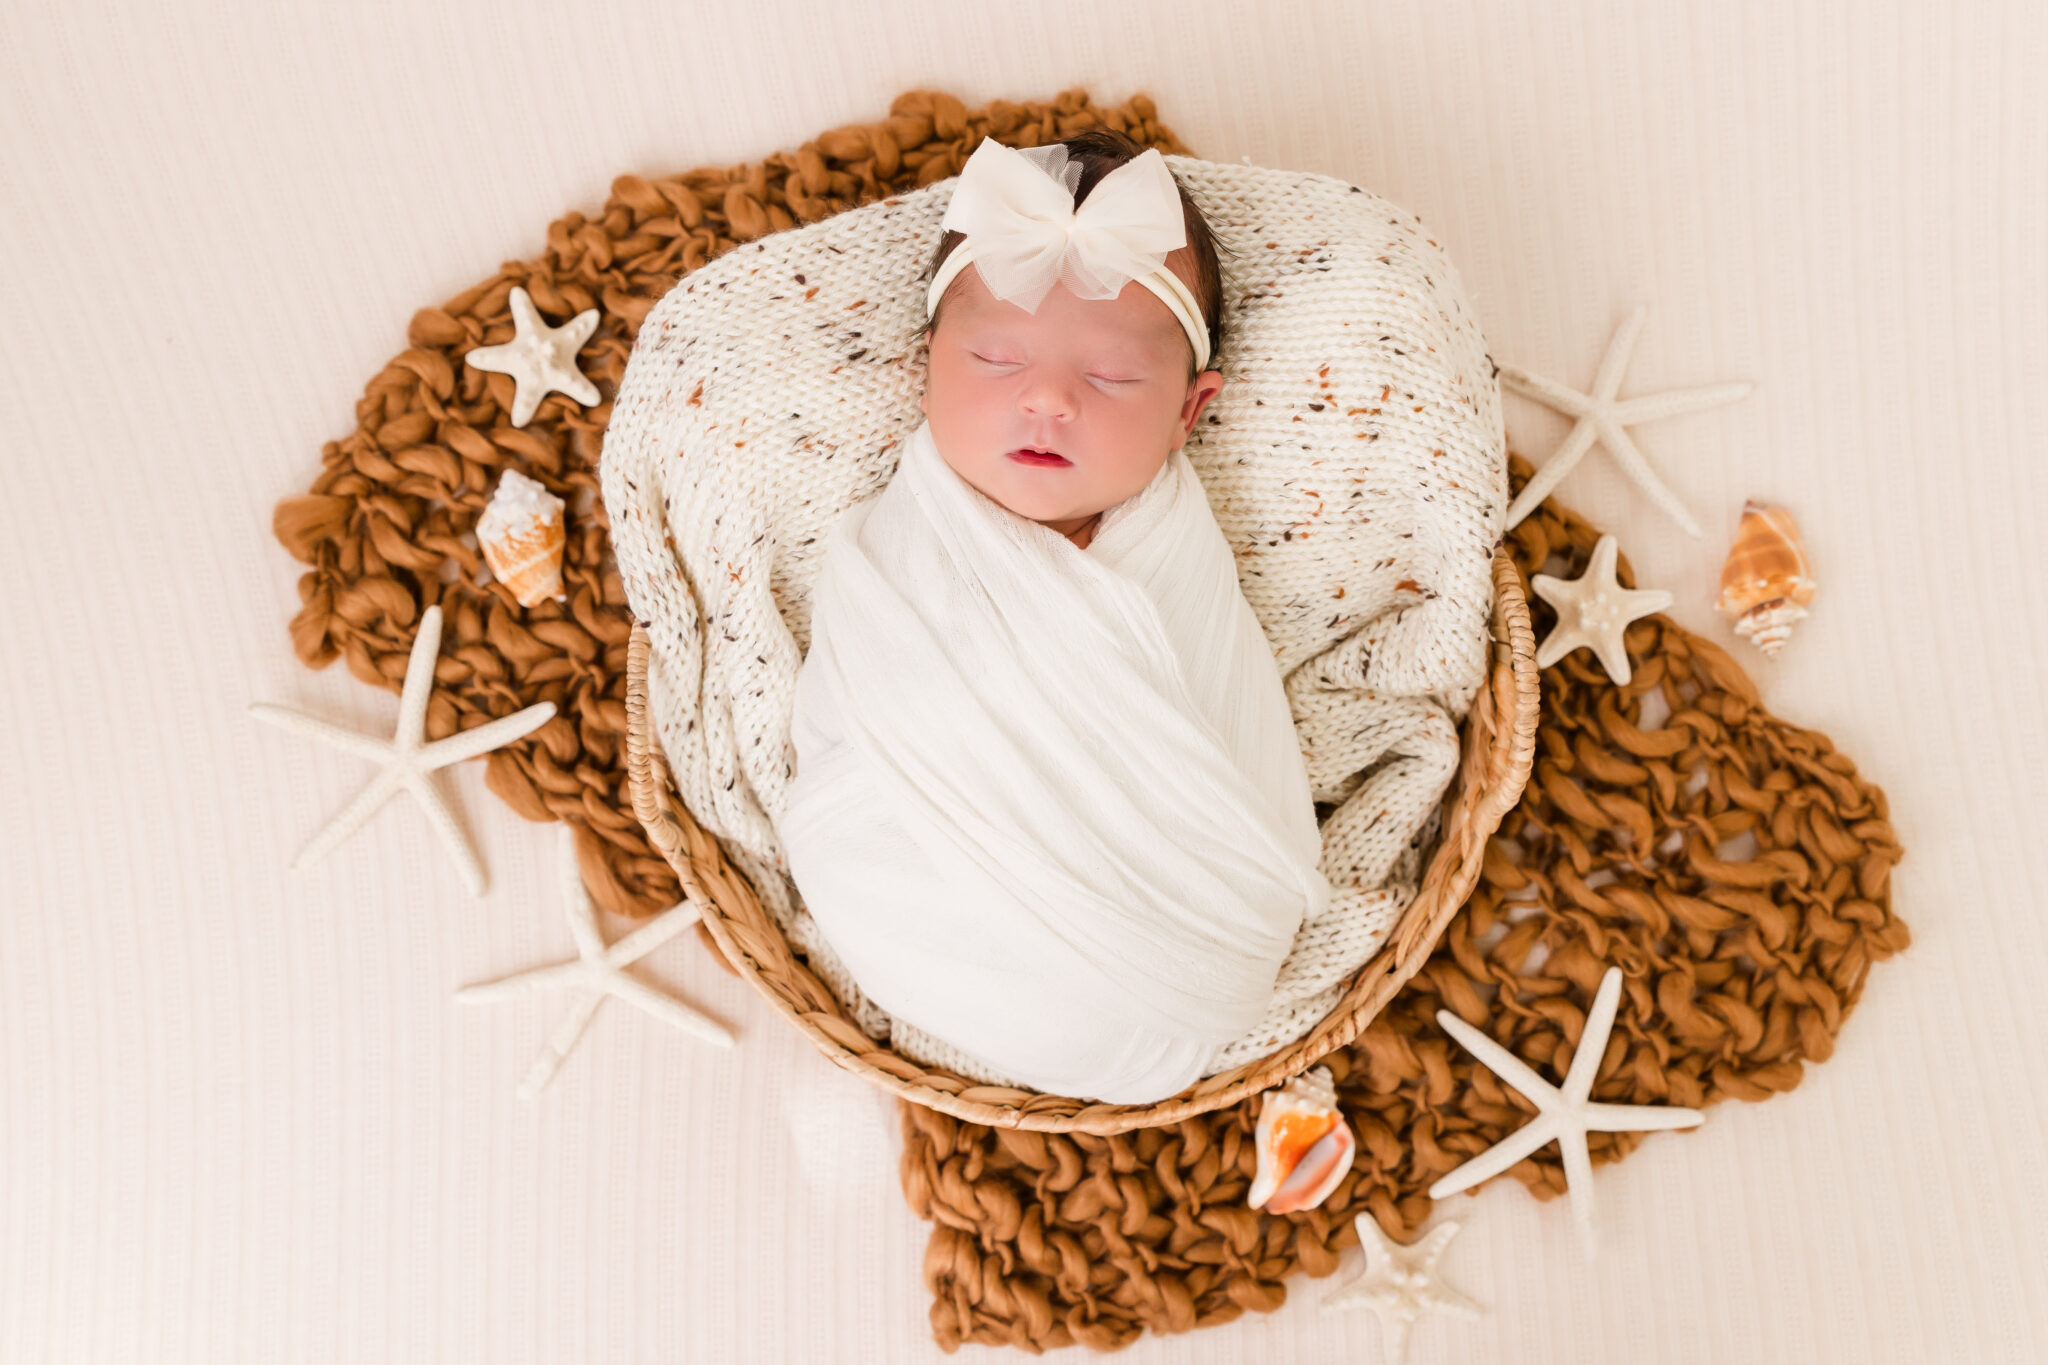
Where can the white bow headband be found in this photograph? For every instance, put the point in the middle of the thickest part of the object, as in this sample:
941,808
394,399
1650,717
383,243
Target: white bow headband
1023,232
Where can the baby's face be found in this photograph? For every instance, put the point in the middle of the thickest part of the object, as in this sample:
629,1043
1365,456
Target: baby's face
1102,382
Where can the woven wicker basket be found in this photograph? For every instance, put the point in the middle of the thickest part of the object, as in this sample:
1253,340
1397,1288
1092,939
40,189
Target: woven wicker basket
1499,743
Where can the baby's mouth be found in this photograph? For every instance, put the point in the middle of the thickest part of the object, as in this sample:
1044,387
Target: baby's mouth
1036,455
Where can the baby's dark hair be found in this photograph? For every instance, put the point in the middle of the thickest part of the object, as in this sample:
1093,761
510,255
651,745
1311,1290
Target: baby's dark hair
1098,152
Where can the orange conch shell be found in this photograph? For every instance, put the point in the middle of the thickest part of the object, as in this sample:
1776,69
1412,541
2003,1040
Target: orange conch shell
1303,1143
522,536
1766,584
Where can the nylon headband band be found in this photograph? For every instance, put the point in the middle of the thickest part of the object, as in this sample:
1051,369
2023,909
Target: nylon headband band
1166,285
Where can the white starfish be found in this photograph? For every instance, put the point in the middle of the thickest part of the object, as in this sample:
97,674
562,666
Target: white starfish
1563,1114
1399,1282
1595,611
406,761
596,972
1601,415
540,358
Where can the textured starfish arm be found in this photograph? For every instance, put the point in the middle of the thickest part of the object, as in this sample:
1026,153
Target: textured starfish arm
1433,1243
1394,1338
1561,642
1443,1296
650,936
579,387
578,909
444,823
668,1010
1619,351
526,395
1578,1181
1612,652
525,316
529,982
1651,406
1502,1062
376,750
496,359
1554,469
1637,603
486,737
1570,402
563,373
1638,1118
577,330
1498,1157
1606,557
419,682
560,1045
351,818
1637,468
1592,1044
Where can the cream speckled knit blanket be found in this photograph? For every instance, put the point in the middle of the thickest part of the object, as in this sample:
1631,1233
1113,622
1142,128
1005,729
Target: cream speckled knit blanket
1354,459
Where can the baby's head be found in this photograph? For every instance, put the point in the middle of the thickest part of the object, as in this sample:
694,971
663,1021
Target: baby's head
1108,384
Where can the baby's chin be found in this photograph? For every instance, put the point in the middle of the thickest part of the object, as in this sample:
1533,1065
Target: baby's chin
1058,494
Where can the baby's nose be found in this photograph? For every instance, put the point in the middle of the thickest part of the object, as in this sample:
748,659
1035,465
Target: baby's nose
1046,398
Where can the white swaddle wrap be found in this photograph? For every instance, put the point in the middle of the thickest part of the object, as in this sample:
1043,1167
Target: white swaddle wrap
1049,803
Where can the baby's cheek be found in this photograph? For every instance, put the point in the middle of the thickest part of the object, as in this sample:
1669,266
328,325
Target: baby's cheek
942,391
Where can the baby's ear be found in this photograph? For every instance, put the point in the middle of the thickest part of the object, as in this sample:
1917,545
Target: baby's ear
1201,389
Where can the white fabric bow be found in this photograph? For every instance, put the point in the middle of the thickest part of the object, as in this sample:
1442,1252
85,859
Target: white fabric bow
1024,234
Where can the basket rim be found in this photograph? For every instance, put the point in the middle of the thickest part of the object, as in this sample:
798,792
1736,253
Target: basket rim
1498,748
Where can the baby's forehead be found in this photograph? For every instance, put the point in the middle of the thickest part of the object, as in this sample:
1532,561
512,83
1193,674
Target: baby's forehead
1100,326
1096,327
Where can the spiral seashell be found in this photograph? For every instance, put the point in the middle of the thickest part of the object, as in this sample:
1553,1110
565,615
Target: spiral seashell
522,535
1304,1146
1766,583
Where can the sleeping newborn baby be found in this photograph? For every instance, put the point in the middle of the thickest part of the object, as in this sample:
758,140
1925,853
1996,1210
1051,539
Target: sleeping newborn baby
1049,804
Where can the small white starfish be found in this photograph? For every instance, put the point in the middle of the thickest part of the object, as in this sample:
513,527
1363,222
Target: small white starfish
1601,415
1399,1282
406,761
1595,611
540,358
596,972
1563,1114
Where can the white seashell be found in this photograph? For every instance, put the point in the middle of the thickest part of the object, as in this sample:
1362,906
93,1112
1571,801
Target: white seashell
1766,582
522,535
1769,625
1304,1146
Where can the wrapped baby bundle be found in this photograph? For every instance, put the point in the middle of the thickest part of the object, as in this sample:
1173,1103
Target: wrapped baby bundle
1353,467
1049,803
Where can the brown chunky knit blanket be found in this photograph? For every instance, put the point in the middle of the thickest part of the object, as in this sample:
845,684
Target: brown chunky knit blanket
1731,863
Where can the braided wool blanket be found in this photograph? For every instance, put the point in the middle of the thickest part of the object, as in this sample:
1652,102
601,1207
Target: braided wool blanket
1354,461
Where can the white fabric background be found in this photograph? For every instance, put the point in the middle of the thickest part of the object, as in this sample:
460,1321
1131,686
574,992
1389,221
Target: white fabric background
241,1118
